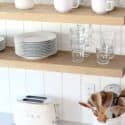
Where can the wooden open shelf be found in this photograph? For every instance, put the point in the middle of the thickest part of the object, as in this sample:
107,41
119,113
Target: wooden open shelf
61,62
47,13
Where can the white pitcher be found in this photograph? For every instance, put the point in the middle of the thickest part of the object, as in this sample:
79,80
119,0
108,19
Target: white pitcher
102,6
24,4
66,5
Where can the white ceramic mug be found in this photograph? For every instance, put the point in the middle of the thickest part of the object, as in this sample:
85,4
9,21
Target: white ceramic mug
24,4
66,5
102,6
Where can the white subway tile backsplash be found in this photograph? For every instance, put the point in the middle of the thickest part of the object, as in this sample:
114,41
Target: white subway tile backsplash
34,83
53,85
71,97
3,27
65,36
30,26
88,86
53,88
3,31
5,105
109,80
13,28
17,85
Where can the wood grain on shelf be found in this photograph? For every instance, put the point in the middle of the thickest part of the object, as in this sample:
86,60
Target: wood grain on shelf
61,62
47,13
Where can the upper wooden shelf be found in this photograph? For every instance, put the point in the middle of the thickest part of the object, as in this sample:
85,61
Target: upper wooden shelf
61,62
47,13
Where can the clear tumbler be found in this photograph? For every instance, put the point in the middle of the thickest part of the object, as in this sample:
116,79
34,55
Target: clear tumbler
78,44
108,38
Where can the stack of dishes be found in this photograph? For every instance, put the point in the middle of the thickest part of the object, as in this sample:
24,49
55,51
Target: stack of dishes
35,45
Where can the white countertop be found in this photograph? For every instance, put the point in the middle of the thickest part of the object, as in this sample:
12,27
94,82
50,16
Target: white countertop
7,119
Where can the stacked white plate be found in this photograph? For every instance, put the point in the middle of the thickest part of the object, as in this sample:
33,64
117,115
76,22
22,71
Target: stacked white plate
35,45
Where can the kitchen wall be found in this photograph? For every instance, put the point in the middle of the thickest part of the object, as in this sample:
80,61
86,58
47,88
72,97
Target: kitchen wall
67,89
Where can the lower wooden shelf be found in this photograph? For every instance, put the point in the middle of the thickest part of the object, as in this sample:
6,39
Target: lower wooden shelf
61,62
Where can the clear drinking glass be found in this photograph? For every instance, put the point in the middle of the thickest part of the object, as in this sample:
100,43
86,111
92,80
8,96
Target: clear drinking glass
88,39
102,56
108,38
102,53
78,44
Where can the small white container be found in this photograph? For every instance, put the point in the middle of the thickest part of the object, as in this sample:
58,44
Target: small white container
66,5
24,4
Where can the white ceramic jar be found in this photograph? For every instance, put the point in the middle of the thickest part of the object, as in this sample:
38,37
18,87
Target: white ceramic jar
102,6
24,4
66,5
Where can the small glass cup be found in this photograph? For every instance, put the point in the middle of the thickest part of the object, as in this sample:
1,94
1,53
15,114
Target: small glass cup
102,56
108,38
78,44
77,56
88,38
